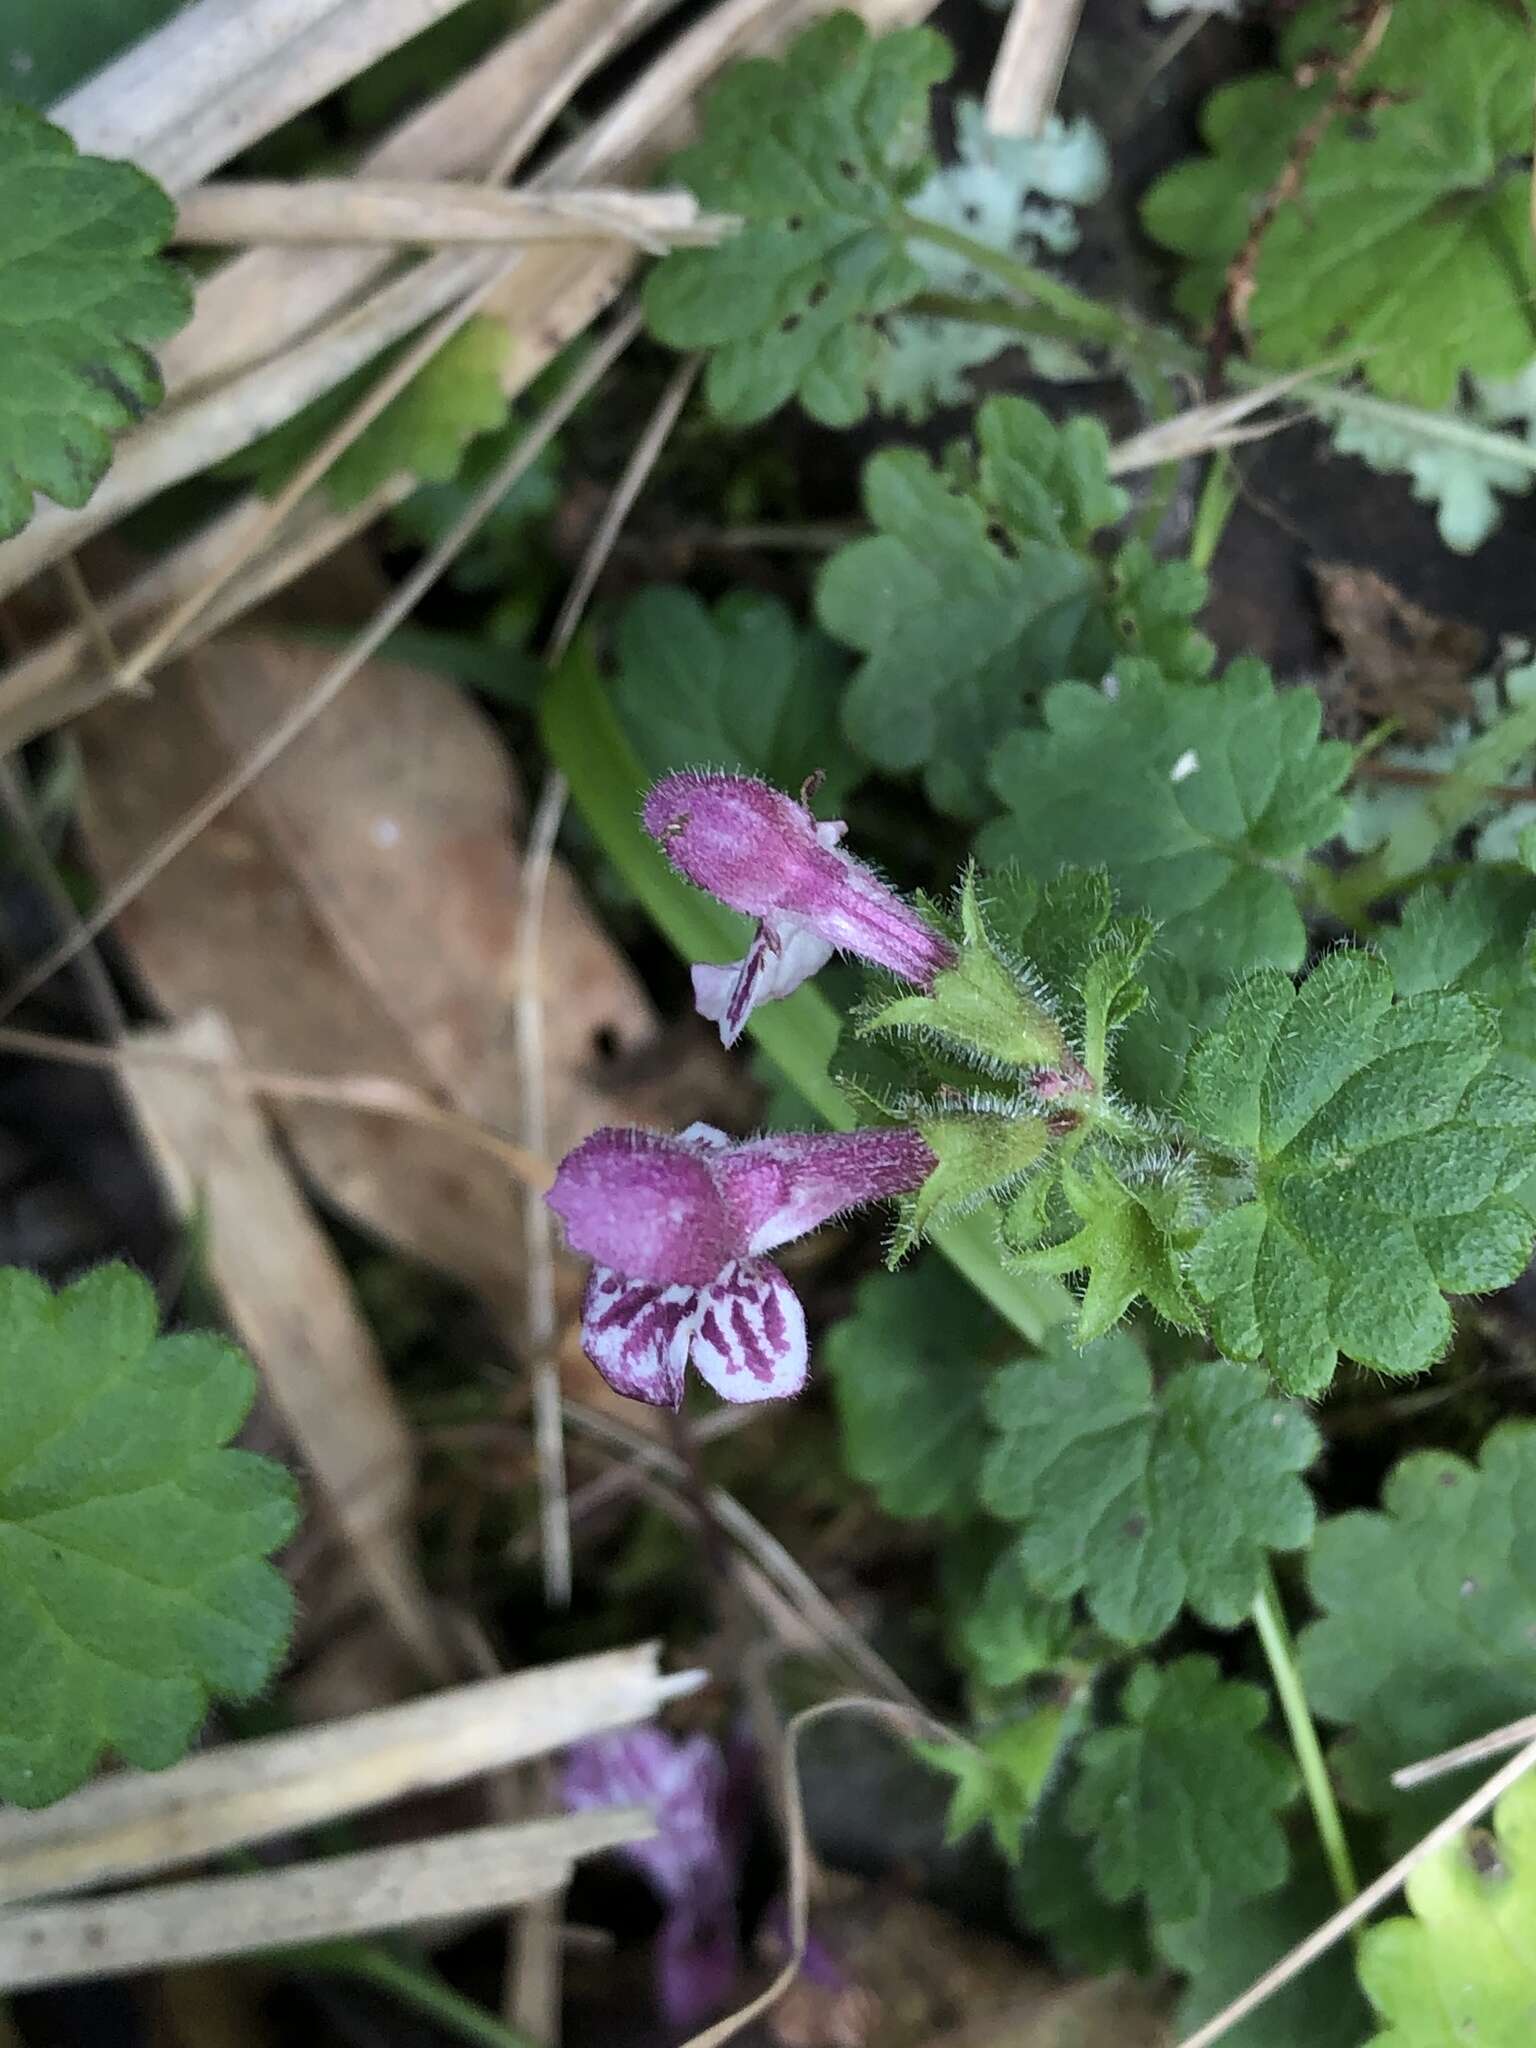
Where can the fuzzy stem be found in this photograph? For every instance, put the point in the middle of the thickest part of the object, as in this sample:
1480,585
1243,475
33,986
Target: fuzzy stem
1278,1648
1082,315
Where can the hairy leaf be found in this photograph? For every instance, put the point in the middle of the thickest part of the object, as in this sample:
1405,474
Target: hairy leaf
1462,1970
1125,1238
1182,1798
817,154
1196,798
979,588
907,1369
1478,937
739,687
82,293
133,1580
1428,1629
1146,1499
1382,1143
1408,238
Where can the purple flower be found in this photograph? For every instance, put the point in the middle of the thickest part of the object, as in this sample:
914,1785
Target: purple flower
691,1861
676,1228
764,854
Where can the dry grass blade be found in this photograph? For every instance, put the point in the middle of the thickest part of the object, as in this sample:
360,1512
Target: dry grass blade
224,73
135,1823
1478,1751
1204,428
1375,1894
390,615
292,1306
368,1094
479,1870
486,120
1021,93
429,213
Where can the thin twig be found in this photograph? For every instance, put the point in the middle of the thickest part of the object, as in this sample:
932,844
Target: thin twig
1477,1751
1238,288
1334,1929
336,678
538,1230
95,626
370,1094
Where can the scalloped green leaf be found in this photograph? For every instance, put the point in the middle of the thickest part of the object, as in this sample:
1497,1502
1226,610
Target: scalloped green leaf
134,1582
909,1375
1461,1973
1146,1499
1428,1628
1408,239
817,154
740,686
1382,1144
1200,800
83,293
980,587
1181,1800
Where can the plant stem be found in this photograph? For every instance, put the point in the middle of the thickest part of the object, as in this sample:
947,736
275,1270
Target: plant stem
1276,1639
1084,316
414,1985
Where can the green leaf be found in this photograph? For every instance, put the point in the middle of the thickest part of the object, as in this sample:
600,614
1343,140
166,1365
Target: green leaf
133,1581
82,291
817,155
908,1373
1479,937
1428,1629
978,588
1145,1499
1055,1895
1232,1944
49,48
1128,1244
509,553
1000,1776
1007,1630
1381,1142
1408,240
739,687
424,430
1454,459
1462,1971
1196,798
1181,1799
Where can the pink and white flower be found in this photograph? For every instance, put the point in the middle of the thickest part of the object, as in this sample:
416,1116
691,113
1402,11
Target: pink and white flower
762,853
692,1861
677,1228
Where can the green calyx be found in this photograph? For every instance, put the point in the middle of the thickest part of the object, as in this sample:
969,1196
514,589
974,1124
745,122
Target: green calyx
984,1009
982,1151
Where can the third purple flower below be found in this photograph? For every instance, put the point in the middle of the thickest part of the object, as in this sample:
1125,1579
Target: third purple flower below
677,1227
765,855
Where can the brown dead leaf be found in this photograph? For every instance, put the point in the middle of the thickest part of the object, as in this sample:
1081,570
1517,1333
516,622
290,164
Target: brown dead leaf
291,1306
1400,661
355,913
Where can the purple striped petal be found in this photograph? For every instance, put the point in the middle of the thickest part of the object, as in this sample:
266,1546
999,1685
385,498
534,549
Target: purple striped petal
749,1338
645,1205
781,1187
637,1335
784,953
